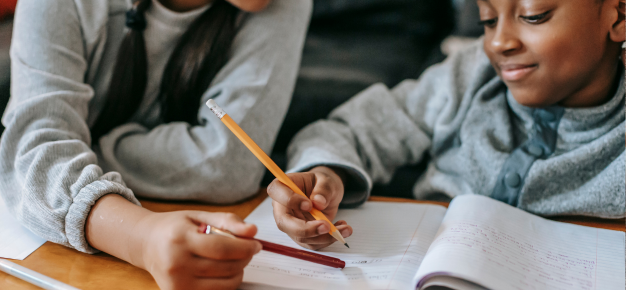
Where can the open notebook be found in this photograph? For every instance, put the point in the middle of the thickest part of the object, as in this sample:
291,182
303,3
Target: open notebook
477,243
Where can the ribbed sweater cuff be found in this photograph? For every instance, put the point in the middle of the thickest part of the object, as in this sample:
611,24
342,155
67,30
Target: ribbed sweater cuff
79,210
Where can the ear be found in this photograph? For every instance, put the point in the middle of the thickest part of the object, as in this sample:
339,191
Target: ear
618,28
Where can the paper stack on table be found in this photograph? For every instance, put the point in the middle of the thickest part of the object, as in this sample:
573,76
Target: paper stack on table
16,242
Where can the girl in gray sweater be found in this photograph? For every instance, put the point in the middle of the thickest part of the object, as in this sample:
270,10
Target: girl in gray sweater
531,115
105,105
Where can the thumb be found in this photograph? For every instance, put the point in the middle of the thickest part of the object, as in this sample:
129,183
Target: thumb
225,221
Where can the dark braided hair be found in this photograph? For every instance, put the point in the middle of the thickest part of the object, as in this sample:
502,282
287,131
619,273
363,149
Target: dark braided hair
197,58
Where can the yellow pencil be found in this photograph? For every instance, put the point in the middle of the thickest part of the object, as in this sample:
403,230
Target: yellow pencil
269,163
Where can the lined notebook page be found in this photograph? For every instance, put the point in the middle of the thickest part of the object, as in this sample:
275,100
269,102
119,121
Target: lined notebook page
501,247
386,248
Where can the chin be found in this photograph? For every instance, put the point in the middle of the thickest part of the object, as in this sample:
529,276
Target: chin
531,99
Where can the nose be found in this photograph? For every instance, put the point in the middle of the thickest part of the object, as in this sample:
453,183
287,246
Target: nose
504,39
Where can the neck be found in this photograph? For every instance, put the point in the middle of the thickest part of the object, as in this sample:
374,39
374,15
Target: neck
184,5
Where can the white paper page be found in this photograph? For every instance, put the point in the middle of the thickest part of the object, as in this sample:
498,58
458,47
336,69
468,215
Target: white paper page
16,242
502,247
447,282
386,248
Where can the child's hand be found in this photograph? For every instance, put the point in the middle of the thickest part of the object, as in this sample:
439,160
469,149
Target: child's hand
291,211
180,257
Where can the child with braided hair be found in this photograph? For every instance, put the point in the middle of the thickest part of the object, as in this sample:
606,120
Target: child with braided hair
106,104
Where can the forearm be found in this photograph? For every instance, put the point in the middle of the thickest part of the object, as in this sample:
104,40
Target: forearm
112,227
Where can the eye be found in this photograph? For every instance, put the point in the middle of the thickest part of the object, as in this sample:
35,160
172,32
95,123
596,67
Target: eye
536,19
488,22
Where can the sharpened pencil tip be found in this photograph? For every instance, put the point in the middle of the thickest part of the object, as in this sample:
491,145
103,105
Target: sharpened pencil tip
346,244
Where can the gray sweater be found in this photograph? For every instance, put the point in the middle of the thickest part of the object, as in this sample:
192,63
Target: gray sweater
462,115
62,57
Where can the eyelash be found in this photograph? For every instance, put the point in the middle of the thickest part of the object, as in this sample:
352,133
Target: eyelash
488,22
533,19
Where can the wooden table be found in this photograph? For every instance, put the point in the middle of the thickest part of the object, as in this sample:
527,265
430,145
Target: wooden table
102,271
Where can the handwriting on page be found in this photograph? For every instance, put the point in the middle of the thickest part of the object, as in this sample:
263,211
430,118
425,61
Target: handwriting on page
386,249
349,274
532,264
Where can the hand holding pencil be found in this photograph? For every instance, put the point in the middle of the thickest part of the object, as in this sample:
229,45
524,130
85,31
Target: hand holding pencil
305,231
325,191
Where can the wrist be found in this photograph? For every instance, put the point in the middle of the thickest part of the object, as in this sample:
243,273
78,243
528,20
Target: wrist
138,239
112,227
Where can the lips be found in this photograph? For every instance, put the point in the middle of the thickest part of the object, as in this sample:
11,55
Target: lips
516,72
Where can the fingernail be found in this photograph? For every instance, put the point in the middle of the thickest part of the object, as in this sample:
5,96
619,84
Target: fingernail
320,199
345,233
323,229
259,247
305,206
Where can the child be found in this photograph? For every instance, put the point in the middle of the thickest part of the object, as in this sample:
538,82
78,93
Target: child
532,115
97,116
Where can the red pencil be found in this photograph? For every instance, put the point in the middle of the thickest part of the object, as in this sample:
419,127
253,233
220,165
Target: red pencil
283,250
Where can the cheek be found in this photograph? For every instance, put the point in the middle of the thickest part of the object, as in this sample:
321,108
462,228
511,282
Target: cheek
550,49
563,57
567,48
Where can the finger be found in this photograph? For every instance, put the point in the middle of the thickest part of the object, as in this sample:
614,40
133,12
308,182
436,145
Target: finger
220,247
321,241
225,221
228,283
297,227
322,193
209,268
285,196
344,229
301,215
326,240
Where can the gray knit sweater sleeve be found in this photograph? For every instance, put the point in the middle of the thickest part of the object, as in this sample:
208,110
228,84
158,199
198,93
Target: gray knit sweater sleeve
208,162
381,129
50,177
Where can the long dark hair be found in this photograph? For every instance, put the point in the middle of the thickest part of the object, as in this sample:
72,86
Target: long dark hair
201,52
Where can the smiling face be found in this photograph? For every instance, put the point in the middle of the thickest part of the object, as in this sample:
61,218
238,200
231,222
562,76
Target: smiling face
550,52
